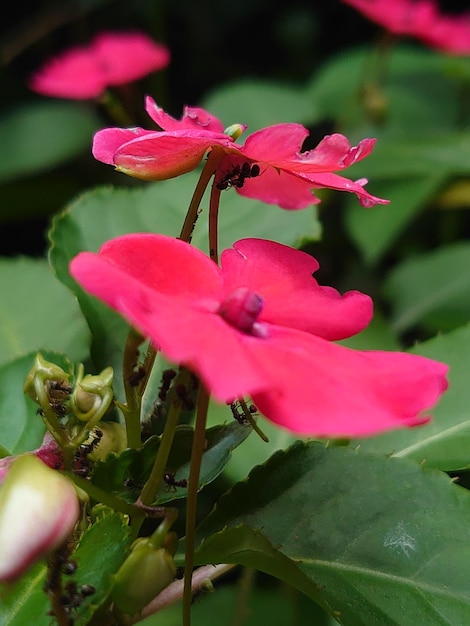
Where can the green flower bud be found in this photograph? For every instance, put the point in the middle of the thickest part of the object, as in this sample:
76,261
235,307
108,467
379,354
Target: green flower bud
113,439
235,130
92,394
38,384
142,576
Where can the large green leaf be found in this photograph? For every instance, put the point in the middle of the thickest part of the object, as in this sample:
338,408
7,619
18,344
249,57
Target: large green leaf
104,213
445,441
43,134
99,555
374,231
21,428
259,104
385,541
431,289
37,312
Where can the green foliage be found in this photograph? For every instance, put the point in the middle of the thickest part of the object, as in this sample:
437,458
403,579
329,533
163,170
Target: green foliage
33,314
42,135
350,535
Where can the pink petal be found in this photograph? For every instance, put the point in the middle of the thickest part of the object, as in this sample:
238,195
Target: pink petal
279,187
127,56
325,390
329,180
74,74
193,118
280,142
158,156
292,297
107,141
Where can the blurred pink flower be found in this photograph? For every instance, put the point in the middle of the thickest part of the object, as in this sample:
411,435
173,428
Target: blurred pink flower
49,453
38,510
260,325
421,19
110,59
269,166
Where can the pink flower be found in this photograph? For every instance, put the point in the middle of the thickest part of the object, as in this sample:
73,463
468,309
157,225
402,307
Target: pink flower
111,59
49,453
420,19
260,325
269,166
38,510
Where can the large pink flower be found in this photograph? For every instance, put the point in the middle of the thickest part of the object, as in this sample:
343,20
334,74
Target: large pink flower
260,325
421,19
269,166
111,59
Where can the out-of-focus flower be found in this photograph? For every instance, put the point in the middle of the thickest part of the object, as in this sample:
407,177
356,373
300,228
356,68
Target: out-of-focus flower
269,166
260,325
421,19
49,453
38,510
112,58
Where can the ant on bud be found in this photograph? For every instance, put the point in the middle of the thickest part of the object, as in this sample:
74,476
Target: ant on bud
237,175
82,465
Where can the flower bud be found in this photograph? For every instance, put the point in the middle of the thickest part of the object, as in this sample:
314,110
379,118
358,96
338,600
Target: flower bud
235,130
113,439
145,572
92,394
41,375
38,510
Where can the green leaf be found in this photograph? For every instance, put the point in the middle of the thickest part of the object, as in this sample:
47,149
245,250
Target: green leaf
99,555
41,135
37,312
431,289
416,87
444,442
371,533
259,103
105,213
125,474
374,231
21,428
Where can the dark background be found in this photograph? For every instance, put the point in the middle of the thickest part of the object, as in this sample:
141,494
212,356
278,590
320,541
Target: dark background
211,42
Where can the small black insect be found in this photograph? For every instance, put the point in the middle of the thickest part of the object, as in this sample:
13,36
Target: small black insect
237,175
173,483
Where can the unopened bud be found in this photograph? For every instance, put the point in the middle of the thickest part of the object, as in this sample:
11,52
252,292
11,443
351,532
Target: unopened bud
143,575
42,374
112,439
38,510
92,394
235,130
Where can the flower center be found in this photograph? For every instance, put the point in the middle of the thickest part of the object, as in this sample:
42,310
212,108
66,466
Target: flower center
241,309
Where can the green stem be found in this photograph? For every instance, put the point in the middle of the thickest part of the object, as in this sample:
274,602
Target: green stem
213,223
191,502
115,109
131,410
155,479
213,160
249,418
107,498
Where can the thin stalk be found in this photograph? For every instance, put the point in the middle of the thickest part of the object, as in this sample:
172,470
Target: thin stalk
131,410
155,479
191,502
213,160
213,223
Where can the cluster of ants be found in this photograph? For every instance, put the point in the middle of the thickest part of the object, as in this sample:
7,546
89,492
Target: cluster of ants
72,595
237,175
